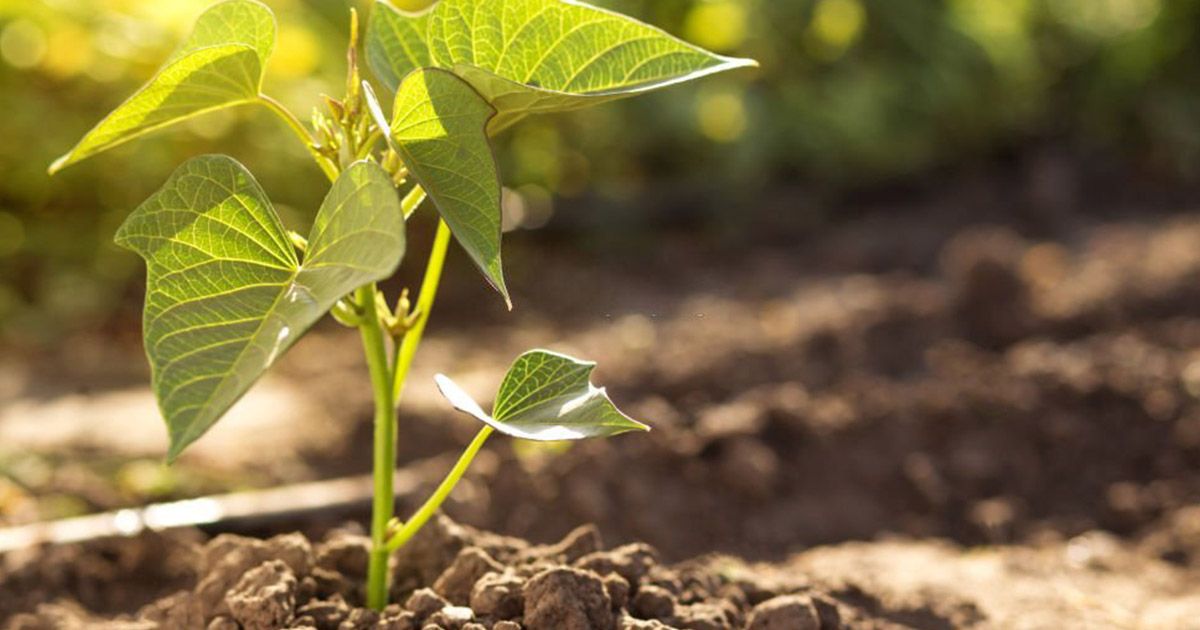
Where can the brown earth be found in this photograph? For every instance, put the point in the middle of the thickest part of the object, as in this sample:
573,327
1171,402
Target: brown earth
454,578
1011,413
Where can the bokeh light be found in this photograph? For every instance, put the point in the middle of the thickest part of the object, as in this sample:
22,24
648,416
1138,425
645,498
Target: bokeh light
721,114
1107,18
718,25
836,25
22,44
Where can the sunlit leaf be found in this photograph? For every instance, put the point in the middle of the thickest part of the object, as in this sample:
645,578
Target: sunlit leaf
396,43
530,56
220,65
438,125
226,294
546,397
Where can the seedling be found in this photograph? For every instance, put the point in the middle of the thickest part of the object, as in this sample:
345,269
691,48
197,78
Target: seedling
230,289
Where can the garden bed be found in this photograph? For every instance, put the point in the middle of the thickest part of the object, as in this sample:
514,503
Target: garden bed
457,578
1009,426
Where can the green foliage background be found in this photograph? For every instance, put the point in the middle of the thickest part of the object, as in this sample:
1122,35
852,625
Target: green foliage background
850,93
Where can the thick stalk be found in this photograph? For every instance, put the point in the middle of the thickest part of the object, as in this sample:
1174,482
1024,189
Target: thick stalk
305,137
435,501
383,506
429,289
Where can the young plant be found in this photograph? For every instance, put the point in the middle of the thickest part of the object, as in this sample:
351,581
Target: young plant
230,289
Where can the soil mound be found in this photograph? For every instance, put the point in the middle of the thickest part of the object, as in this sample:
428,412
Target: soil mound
452,577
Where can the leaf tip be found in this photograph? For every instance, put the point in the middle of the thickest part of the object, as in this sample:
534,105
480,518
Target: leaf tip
174,452
59,165
734,63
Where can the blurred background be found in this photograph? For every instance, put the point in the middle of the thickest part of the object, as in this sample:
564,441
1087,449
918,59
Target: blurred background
852,96
944,249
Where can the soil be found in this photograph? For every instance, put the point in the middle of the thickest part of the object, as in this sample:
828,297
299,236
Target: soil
456,578
910,419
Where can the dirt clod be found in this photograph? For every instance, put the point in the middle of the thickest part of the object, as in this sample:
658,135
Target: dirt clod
653,602
788,612
633,623
265,597
711,615
360,619
451,617
567,599
294,550
428,554
324,614
345,554
395,619
456,582
424,603
223,563
498,595
618,589
223,623
629,561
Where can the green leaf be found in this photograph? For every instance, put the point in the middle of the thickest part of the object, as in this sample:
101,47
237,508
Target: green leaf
220,65
546,397
226,295
396,44
438,125
531,56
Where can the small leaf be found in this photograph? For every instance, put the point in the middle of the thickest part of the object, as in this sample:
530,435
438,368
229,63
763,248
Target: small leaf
532,56
226,295
438,127
546,397
220,65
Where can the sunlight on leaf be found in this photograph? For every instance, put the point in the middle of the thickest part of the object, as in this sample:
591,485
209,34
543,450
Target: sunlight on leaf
226,295
220,65
438,127
396,44
531,56
546,397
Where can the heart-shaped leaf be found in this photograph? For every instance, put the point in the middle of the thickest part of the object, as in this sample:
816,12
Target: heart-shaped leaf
226,295
437,126
546,397
220,65
530,56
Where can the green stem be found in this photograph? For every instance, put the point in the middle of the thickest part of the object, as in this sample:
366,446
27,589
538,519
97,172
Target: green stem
297,127
435,501
412,201
429,288
388,385
375,346
368,144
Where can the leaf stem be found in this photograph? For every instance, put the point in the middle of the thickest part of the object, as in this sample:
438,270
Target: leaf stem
429,288
412,201
368,144
383,506
431,505
297,127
